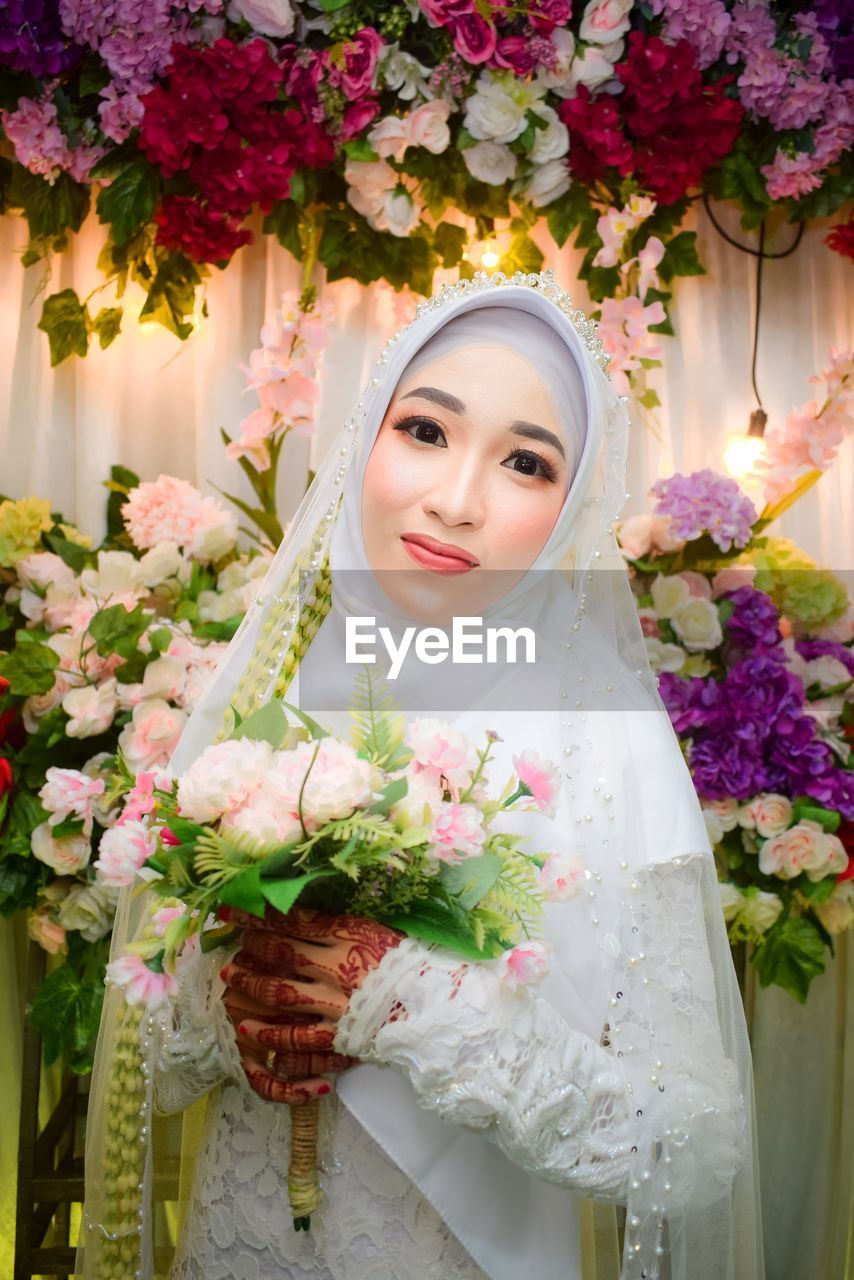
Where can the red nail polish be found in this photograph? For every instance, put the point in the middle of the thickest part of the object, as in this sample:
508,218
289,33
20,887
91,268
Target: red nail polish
241,1030
324,1088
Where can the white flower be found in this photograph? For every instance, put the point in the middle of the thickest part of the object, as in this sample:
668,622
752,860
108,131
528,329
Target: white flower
268,818
152,734
593,67
714,830
399,212
837,913
403,74
725,811
827,672
390,137
339,782
668,593
563,44
427,126
546,183
268,17
732,900
760,909
525,965
768,814
66,856
43,569
122,851
552,142
663,656
223,778
497,110
90,709
490,162
440,750
162,562
562,877
697,624
88,909
802,848
165,677
605,21
421,790
118,574
214,541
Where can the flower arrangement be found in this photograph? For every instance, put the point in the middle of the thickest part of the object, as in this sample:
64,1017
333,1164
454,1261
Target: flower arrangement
393,826
380,140
103,653
754,645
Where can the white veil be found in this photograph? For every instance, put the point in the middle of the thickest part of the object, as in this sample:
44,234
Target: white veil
645,950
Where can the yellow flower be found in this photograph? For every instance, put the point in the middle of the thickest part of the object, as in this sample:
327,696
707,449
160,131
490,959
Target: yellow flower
21,527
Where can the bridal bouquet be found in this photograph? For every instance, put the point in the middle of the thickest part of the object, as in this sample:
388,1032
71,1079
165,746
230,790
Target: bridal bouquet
393,825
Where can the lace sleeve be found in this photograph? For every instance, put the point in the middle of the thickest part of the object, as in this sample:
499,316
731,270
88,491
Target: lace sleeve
194,1046
479,1054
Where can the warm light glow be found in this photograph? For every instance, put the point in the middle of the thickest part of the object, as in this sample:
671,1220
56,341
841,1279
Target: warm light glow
488,253
741,455
490,258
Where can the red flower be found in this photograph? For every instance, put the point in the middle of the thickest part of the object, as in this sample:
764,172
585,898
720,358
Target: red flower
667,126
5,776
200,233
841,238
846,834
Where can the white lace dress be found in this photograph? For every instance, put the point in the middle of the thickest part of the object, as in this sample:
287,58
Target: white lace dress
500,1061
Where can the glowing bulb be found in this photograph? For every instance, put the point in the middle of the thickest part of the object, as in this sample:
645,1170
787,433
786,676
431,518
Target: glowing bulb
742,454
490,258
488,253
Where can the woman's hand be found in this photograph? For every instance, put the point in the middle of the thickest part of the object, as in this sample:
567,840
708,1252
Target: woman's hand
286,989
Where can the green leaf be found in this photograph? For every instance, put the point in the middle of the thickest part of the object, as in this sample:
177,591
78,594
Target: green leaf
244,891
435,922
469,880
66,322
50,209
117,630
268,724
107,324
565,214
805,807
121,482
449,241
522,255
790,954
172,294
130,199
360,149
283,222
391,793
218,630
282,894
29,669
76,557
649,399
186,831
67,1012
70,827
315,730
680,257
818,891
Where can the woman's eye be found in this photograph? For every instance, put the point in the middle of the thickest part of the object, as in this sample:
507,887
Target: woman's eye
528,463
424,430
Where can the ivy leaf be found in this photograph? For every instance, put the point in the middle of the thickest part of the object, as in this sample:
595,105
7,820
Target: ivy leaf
172,294
120,483
522,255
67,1012
66,322
680,257
565,214
791,954
115,630
449,241
107,324
49,209
130,199
29,669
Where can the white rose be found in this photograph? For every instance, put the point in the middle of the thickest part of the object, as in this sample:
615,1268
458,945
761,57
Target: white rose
218,606
768,814
389,137
267,17
594,67
668,593
161,562
546,183
827,672
663,656
714,830
90,709
213,541
400,213
697,624
43,569
165,677
66,856
493,114
605,20
801,848
837,913
760,909
490,162
118,574
732,900
552,142
38,705
427,126
562,877
339,782
89,908
223,778
563,46
726,812
370,178
836,859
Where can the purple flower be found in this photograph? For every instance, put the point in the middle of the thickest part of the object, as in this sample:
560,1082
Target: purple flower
691,704
762,694
835,21
705,502
703,23
32,39
723,766
755,622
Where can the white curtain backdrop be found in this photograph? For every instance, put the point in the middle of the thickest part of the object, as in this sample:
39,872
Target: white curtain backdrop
156,405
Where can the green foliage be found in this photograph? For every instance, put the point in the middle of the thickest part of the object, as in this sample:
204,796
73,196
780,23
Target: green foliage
171,292
130,199
67,1011
377,731
116,630
791,954
66,322
29,668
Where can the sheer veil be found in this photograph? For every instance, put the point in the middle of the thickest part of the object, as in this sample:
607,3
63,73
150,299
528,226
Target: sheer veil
642,960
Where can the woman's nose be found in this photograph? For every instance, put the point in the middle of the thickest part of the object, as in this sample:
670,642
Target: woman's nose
458,496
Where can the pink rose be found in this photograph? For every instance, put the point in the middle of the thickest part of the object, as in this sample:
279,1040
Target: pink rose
162,919
47,933
69,793
360,61
545,15
152,734
635,536
122,852
427,126
526,965
768,814
726,580
440,12
541,778
223,779
801,848
90,709
562,877
514,52
649,623
474,38
605,20
339,780
141,985
698,585
457,831
356,118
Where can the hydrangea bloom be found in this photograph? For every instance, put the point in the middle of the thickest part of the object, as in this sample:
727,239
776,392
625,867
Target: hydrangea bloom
706,502
171,510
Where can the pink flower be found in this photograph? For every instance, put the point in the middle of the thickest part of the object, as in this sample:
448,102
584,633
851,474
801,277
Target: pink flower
171,510
801,848
164,917
223,779
441,751
541,778
526,965
562,877
122,852
339,781
474,38
47,933
698,585
457,831
141,984
66,855
140,800
768,814
68,792
624,330
90,709
360,61
152,734
726,580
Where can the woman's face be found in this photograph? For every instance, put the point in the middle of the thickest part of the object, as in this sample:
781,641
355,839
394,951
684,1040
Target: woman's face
466,478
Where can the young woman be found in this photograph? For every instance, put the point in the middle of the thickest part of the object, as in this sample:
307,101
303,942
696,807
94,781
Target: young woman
600,1126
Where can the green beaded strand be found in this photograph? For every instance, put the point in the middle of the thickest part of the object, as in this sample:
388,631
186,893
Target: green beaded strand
314,610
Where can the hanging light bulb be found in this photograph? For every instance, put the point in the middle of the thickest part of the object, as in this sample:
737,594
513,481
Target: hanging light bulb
489,252
743,451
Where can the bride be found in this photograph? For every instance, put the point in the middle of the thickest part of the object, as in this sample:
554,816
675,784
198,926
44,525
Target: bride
598,1126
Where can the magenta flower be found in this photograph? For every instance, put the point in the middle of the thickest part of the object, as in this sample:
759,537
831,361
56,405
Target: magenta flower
540,779
705,502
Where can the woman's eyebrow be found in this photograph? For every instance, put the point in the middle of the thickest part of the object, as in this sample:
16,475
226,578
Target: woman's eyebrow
532,432
443,398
